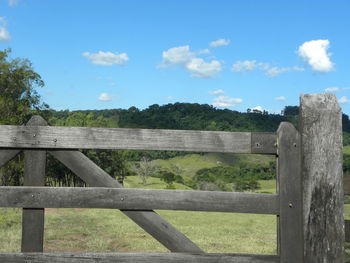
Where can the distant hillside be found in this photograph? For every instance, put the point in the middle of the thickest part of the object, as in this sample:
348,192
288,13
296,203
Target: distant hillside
184,116
187,116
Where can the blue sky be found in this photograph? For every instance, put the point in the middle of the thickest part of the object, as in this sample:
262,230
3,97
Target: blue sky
231,54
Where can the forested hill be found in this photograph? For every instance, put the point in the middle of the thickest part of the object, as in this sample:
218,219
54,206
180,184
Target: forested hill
186,116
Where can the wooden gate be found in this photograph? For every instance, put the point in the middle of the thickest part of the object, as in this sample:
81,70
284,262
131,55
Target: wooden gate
302,187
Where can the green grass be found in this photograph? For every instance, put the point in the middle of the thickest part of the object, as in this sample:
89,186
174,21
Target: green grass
102,230
80,230
267,186
346,149
10,229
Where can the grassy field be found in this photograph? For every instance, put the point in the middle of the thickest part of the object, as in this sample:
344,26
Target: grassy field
93,230
100,230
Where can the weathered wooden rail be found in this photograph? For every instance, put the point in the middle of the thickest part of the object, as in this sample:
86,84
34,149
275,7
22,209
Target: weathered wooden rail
309,186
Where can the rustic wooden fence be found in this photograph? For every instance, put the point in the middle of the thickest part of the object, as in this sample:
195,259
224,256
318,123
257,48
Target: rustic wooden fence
308,203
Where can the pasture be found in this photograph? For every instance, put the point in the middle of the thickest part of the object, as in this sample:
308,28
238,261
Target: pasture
103,230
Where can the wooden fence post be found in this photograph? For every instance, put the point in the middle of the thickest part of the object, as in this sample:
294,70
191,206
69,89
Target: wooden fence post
34,175
321,135
290,232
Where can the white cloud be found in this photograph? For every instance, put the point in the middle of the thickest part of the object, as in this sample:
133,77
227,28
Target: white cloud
225,101
104,97
106,58
216,92
170,98
189,60
250,65
244,66
280,98
4,34
219,42
314,52
12,2
201,69
332,89
176,55
343,100
275,71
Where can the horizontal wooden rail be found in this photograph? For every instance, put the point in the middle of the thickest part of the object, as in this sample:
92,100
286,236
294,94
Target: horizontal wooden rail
137,199
135,139
135,258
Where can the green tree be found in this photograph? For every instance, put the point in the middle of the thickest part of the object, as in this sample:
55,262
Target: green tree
291,110
246,185
112,161
169,178
18,83
18,101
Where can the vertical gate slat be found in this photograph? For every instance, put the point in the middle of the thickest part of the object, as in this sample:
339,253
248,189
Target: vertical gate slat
290,189
34,175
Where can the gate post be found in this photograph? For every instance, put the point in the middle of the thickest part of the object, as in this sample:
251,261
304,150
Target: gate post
320,126
34,175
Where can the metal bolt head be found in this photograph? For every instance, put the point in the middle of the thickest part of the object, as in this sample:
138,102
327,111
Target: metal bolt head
290,205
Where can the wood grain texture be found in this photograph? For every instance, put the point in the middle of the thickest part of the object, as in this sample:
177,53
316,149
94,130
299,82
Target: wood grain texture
34,175
7,155
290,194
135,258
263,143
346,183
138,199
321,134
150,221
132,139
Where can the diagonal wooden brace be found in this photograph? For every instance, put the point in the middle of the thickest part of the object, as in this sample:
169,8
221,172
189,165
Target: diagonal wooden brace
7,155
150,221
